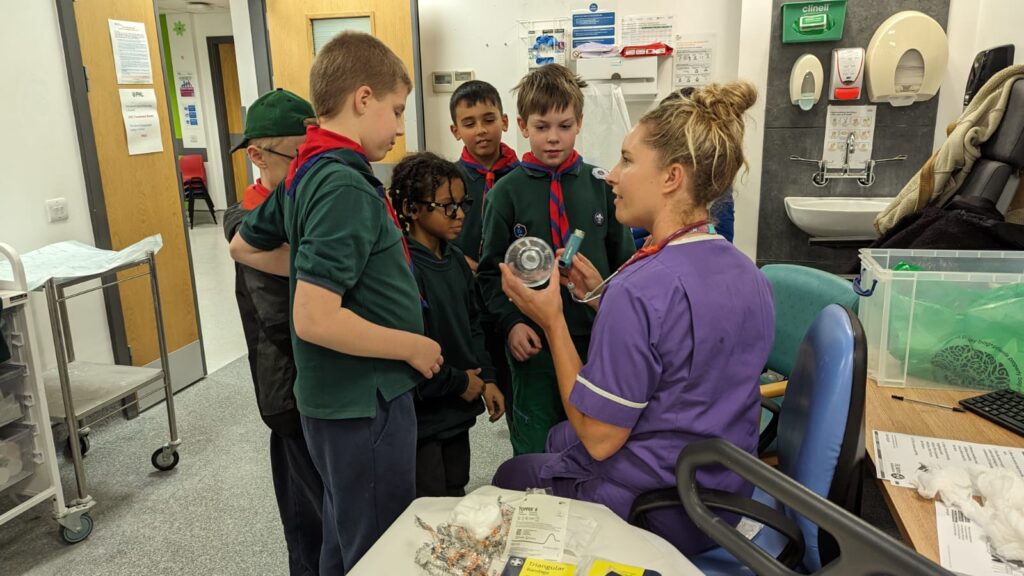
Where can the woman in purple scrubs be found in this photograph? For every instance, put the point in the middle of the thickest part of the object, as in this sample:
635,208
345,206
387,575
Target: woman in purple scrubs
682,332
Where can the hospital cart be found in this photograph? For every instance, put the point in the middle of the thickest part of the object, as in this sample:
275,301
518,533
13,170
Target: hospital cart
28,461
81,393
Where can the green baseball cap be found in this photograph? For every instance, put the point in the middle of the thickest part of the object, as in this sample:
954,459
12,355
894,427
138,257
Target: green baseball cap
276,113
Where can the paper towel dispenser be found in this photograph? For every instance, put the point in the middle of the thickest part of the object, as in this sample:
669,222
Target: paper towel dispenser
638,77
906,59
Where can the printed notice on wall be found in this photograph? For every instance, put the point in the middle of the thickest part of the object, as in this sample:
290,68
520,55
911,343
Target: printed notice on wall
141,121
964,549
693,60
849,134
643,29
131,52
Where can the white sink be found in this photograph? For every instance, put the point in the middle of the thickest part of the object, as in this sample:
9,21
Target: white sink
836,217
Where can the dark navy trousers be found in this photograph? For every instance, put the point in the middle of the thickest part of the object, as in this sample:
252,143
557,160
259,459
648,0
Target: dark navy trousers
368,468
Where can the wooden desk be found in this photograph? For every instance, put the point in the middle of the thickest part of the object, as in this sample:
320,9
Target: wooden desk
915,515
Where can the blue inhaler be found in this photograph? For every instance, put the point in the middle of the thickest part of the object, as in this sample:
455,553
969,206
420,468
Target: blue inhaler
571,248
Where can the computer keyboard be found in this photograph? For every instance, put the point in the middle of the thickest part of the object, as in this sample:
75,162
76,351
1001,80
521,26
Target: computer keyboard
1004,407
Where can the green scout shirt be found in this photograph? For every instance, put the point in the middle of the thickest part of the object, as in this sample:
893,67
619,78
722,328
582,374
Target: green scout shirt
518,206
470,240
342,239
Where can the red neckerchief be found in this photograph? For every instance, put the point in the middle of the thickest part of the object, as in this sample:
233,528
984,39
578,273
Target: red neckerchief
556,202
701,226
254,195
507,160
318,141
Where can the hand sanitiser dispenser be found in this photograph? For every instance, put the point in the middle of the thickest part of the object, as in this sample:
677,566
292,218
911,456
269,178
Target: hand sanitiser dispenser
906,59
805,81
847,74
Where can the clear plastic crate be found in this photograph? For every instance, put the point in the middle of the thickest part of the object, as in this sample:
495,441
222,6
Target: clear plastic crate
943,318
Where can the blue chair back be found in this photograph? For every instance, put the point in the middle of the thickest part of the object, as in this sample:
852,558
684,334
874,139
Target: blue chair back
821,426
800,293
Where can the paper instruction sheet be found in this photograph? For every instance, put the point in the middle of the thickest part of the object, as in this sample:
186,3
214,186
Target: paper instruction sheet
898,457
131,52
964,549
539,527
141,120
842,123
693,60
643,29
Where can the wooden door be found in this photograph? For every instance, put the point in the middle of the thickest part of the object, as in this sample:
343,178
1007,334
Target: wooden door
289,30
233,111
141,192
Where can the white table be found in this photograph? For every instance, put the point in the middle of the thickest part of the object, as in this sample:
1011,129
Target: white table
616,540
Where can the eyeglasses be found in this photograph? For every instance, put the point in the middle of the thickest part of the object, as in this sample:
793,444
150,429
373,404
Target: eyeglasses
451,209
276,153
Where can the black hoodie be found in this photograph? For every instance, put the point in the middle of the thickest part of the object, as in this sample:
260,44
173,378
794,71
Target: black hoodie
452,319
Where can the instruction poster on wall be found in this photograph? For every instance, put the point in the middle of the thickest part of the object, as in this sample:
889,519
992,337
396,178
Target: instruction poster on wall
192,135
849,134
141,121
131,52
693,60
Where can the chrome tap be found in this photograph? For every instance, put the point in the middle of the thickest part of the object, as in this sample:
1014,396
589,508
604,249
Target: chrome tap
851,147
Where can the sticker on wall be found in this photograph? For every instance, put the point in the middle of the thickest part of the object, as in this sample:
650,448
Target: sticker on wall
179,28
185,87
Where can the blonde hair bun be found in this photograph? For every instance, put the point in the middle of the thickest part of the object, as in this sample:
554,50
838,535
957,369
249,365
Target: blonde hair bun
725,101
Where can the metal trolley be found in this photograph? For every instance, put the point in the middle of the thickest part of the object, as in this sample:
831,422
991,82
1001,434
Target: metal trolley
28,462
81,393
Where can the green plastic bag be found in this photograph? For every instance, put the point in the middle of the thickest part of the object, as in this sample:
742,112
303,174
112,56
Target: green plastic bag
960,336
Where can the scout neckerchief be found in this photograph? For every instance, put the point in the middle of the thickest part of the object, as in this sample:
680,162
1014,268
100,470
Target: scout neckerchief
701,227
556,202
322,143
506,162
255,195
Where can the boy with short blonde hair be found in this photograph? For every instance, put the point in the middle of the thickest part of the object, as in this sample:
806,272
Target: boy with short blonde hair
356,319
550,194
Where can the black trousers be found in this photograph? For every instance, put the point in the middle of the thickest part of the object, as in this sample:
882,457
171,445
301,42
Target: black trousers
300,496
442,466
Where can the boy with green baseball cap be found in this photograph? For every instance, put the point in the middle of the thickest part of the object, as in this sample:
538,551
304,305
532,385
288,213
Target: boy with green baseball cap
275,127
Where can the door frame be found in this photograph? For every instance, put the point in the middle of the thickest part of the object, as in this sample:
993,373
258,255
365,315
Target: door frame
213,44
79,85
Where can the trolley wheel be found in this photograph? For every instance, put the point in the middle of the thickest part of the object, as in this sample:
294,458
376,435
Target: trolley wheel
72,537
83,445
164,461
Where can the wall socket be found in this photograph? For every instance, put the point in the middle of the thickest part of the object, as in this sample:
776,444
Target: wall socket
57,210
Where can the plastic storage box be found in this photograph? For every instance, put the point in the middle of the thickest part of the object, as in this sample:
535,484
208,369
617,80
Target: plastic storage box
943,318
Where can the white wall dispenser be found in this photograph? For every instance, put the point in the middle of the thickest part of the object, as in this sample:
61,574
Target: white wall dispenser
847,74
805,81
638,77
906,59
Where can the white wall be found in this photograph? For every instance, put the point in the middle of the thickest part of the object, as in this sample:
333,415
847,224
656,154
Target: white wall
974,25
452,37
198,28
242,31
42,161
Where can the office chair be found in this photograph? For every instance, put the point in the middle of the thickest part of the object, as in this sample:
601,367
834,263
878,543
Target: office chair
193,183
820,445
866,551
800,293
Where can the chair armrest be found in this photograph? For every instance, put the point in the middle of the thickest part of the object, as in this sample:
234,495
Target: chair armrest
774,389
790,556
771,431
864,549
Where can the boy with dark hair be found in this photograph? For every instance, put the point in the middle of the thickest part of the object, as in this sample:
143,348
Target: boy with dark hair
479,120
356,319
549,195
275,127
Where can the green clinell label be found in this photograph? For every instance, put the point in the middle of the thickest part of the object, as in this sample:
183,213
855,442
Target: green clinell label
813,22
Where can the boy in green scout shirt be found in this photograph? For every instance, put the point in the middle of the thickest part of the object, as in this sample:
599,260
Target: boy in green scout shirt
551,193
356,312
478,120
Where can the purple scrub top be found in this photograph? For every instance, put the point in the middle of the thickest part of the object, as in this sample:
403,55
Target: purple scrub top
678,345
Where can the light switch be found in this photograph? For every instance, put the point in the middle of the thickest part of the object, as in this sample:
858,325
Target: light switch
57,210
